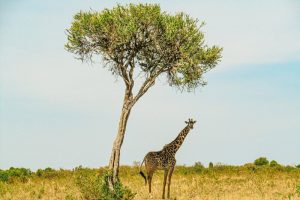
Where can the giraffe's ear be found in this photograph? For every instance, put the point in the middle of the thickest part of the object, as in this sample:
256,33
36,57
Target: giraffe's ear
186,122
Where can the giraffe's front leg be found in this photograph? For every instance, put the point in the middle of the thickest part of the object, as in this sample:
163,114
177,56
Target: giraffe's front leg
169,180
165,180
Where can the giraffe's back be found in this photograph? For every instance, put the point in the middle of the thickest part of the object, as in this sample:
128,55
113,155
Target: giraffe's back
152,161
158,160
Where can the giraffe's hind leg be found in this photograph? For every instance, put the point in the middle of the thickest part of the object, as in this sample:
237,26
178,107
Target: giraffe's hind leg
150,175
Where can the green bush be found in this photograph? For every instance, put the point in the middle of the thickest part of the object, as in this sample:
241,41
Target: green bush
289,168
198,167
298,166
261,161
210,165
4,175
47,173
182,169
39,172
195,169
95,186
15,173
274,163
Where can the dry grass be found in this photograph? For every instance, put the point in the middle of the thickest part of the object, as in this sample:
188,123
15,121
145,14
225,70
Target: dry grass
220,185
224,183
36,188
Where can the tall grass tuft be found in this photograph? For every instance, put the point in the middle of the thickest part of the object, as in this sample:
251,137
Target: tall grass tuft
298,188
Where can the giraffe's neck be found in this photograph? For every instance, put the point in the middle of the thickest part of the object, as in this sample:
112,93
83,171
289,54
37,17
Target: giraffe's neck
175,144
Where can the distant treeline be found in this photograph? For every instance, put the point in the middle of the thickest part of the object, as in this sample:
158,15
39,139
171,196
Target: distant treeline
259,165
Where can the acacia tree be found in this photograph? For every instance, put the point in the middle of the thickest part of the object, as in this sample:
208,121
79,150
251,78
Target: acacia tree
142,38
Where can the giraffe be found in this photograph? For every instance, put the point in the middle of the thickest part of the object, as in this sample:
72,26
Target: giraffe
165,159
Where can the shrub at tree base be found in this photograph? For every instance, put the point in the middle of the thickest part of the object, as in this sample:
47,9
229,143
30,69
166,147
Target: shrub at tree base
261,161
95,187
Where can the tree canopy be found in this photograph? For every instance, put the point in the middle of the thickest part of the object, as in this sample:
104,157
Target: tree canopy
144,36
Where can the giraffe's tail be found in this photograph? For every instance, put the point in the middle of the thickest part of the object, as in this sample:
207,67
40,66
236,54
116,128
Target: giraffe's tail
141,173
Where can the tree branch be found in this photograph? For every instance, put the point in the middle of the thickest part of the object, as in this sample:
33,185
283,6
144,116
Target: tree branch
122,70
150,81
125,76
144,88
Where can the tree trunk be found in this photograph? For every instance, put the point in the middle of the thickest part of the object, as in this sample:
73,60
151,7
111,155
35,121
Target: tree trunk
128,103
115,154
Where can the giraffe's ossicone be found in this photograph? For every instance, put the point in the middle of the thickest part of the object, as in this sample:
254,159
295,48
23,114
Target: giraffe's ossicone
165,159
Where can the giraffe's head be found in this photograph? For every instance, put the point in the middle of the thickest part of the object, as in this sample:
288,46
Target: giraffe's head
190,123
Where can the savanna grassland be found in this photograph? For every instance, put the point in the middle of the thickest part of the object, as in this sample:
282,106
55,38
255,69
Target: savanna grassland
248,182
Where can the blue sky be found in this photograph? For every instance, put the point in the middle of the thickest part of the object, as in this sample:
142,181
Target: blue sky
56,111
